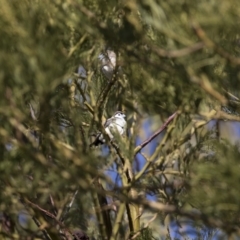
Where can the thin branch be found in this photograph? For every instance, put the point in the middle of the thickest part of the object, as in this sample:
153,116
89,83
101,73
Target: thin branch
45,233
157,150
178,53
90,109
53,205
144,168
125,164
68,207
118,221
79,43
145,226
130,218
206,85
104,94
158,206
80,90
104,222
127,178
52,216
33,115
49,214
83,138
221,115
160,130
209,43
231,95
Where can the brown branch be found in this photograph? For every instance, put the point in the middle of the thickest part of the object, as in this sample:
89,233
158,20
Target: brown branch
45,233
160,130
221,115
206,85
34,205
209,43
178,53
53,205
41,209
80,90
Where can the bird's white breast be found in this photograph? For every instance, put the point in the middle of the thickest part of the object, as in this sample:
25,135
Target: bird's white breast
117,125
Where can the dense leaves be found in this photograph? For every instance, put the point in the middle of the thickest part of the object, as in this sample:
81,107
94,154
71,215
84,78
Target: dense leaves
171,66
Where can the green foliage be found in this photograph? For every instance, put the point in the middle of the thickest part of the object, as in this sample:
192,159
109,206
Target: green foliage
146,234
171,56
218,177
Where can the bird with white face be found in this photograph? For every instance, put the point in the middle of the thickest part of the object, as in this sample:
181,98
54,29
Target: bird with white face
115,124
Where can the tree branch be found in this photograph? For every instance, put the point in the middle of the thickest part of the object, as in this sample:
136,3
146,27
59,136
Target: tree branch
178,53
160,130
209,43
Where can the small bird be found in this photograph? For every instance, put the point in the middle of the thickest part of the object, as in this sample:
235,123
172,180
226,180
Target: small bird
108,61
115,124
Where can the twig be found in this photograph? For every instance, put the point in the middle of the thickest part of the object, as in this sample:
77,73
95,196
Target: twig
103,95
62,231
221,115
127,179
195,215
49,214
24,130
68,207
53,204
83,138
209,43
157,150
160,130
178,53
144,168
73,48
38,224
80,90
118,221
89,107
104,222
45,233
33,115
125,164
205,84
231,95
145,227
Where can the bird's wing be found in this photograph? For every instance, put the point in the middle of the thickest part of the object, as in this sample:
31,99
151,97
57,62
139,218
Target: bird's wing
108,122
97,140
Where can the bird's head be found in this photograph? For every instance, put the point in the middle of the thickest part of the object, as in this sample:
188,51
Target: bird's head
119,114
